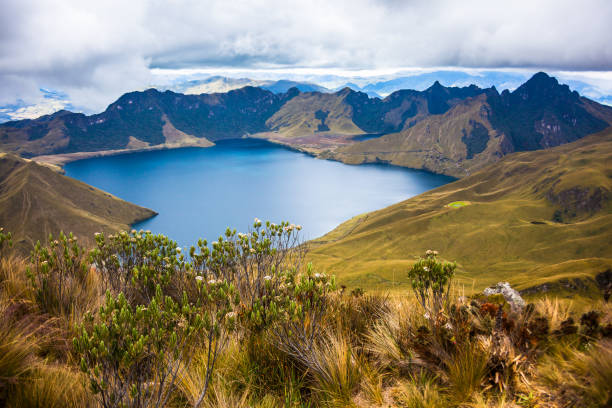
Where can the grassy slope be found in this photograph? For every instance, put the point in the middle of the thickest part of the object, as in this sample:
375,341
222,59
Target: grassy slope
493,238
298,116
434,143
36,201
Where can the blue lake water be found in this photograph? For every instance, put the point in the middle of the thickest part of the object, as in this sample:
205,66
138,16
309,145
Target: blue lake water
198,193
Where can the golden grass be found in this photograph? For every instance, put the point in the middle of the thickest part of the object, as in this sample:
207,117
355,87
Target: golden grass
372,353
465,371
53,387
506,234
419,392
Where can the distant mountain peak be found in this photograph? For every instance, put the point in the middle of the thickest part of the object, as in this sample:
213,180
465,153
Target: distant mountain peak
542,85
436,86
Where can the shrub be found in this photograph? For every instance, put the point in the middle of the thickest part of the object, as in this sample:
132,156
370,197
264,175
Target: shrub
132,355
431,281
59,275
258,263
5,240
135,263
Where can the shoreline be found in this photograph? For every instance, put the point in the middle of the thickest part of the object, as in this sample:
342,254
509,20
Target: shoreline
57,161
62,158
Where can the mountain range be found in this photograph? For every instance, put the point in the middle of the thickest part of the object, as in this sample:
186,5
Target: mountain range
533,200
448,130
221,84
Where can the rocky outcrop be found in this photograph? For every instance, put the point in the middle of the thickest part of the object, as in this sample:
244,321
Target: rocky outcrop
514,299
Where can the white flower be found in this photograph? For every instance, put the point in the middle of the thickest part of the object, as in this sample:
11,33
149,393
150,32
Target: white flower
199,278
252,250
317,275
448,326
267,277
298,227
257,221
231,315
97,234
178,249
426,315
212,282
426,269
215,243
133,231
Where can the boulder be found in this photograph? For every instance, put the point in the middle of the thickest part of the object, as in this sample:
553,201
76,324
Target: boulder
514,299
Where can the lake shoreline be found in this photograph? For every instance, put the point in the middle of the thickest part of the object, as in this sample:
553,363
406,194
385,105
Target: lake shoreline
244,178
61,159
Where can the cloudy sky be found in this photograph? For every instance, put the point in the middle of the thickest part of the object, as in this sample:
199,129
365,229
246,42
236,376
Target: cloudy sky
90,52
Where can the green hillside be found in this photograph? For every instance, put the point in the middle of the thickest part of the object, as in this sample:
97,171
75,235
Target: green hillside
312,112
36,201
531,218
461,138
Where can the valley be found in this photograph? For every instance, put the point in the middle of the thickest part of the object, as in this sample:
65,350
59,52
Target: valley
512,221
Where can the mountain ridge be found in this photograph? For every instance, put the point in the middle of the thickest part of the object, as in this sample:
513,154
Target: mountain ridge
449,130
36,201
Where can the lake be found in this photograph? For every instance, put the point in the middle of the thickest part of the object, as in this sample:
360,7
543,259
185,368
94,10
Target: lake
198,192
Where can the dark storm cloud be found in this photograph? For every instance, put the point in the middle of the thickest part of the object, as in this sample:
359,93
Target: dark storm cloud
94,50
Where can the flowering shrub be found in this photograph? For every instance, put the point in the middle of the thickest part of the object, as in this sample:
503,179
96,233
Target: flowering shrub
5,238
134,263
276,292
431,281
260,264
158,307
57,273
132,354
304,301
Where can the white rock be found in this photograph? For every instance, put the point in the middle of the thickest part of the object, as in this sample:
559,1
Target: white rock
517,303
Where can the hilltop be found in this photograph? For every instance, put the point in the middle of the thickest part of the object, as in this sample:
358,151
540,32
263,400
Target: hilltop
533,218
36,201
462,134
449,130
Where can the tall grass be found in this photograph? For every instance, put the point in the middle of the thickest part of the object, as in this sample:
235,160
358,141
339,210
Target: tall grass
335,370
18,347
465,371
371,351
555,310
418,392
52,386
580,377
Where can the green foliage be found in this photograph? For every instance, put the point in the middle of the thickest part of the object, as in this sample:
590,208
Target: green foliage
431,281
132,355
258,263
158,307
135,263
5,239
57,273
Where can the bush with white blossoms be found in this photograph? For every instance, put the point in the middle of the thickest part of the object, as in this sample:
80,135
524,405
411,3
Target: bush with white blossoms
303,302
431,282
57,273
158,309
5,240
135,262
132,355
257,263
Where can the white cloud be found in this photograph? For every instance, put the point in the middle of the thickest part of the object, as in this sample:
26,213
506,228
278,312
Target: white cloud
96,50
